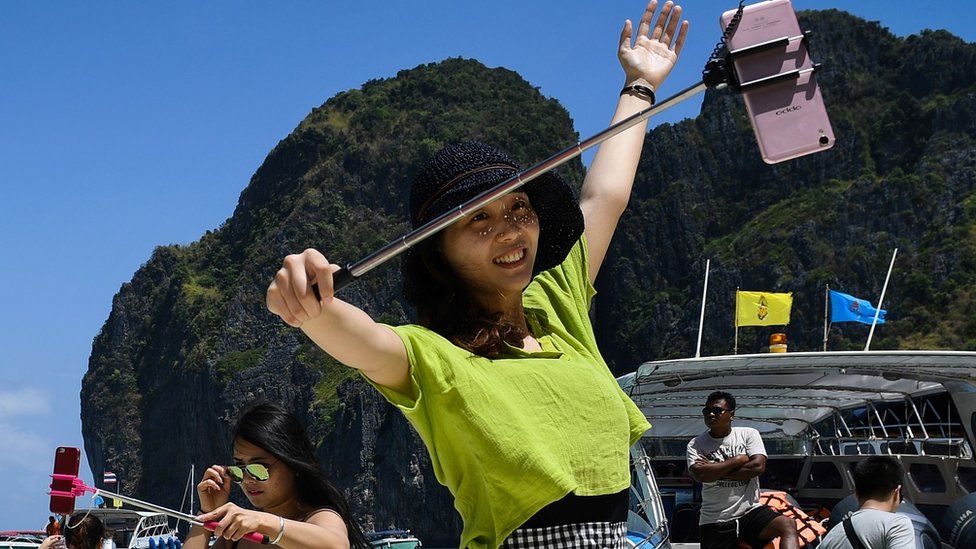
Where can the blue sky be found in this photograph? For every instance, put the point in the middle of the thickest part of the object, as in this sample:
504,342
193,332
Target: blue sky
128,125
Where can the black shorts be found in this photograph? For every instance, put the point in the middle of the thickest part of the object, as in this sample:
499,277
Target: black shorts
726,535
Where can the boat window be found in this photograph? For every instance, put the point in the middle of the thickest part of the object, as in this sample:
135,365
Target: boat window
781,474
859,448
967,477
672,469
661,447
825,475
900,447
953,448
786,446
927,478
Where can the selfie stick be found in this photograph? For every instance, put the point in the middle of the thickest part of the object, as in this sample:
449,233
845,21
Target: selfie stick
719,73
352,271
79,488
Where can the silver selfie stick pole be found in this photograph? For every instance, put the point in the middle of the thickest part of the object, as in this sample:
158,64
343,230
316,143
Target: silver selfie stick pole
352,271
719,73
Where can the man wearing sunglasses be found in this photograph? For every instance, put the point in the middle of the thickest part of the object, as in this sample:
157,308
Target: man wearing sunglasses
727,461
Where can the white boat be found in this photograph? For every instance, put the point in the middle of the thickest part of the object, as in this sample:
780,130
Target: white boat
393,539
136,529
819,414
21,539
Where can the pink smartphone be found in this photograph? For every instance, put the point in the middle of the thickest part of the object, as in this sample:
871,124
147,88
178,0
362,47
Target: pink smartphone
788,115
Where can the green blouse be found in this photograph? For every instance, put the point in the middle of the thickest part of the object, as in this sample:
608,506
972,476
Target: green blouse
509,436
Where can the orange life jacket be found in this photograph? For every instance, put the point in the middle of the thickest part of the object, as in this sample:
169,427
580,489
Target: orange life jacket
808,529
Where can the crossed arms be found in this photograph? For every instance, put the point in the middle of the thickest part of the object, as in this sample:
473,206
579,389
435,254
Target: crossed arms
740,467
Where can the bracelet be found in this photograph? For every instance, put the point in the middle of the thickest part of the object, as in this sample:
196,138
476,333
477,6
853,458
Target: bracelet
281,532
643,91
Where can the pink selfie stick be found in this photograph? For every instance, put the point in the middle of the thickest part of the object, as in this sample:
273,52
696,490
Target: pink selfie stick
79,488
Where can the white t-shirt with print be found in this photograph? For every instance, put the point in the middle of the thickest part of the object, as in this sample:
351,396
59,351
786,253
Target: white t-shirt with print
876,530
724,499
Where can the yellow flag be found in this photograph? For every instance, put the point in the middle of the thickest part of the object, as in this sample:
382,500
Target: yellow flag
762,308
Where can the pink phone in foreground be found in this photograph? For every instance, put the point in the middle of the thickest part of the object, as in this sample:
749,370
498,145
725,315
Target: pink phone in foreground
779,83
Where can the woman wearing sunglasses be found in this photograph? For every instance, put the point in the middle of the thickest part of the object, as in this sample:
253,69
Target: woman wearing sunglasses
296,505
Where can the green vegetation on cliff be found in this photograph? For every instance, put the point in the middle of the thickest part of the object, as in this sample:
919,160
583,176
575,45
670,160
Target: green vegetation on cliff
902,174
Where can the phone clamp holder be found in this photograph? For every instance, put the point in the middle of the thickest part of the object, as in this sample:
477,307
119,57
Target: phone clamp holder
720,72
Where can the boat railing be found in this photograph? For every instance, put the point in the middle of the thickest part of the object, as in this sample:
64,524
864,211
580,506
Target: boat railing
856,446
150,526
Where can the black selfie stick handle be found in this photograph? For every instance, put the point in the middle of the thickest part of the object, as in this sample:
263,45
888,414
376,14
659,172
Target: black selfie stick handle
340,279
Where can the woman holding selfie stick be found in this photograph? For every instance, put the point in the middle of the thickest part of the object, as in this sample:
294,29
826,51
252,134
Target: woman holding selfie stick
501,377
275,465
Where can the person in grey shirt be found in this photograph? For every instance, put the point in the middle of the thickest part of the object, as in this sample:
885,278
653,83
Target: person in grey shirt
877,486
728,461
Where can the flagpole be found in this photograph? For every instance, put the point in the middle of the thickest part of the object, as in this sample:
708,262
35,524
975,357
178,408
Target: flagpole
735,315
701,321
877,310
826,304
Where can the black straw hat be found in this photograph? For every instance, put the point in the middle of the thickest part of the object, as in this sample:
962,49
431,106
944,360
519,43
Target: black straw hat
461,171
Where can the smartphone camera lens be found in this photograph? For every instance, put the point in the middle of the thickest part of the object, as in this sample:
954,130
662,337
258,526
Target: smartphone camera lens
824,140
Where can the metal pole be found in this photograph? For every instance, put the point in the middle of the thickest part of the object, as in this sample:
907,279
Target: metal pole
908,423
350,272
150,506
735,315
921,422
253,536
826,306
884,430
701,321
877,311
846,427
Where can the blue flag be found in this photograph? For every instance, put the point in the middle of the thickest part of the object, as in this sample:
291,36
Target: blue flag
847,308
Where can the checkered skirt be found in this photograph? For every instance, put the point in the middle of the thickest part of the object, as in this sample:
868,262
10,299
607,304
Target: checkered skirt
566,536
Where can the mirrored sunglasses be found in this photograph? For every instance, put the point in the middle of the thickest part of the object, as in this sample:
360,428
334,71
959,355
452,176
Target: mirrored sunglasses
256,471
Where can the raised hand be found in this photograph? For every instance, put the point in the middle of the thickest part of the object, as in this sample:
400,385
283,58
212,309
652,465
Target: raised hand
214,489
290,294
650,57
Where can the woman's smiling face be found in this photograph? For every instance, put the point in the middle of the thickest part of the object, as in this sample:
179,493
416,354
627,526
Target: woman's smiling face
280,486
493,249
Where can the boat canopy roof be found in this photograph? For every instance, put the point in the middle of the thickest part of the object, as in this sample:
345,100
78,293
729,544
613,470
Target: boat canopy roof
783,394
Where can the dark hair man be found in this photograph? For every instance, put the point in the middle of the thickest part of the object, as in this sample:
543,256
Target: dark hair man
877,486
52,528
728,461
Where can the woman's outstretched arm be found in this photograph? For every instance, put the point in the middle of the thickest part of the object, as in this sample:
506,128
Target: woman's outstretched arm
342,330
647,61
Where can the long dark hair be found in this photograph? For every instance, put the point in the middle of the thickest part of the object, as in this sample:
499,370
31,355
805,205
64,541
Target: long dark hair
279,433
444,304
